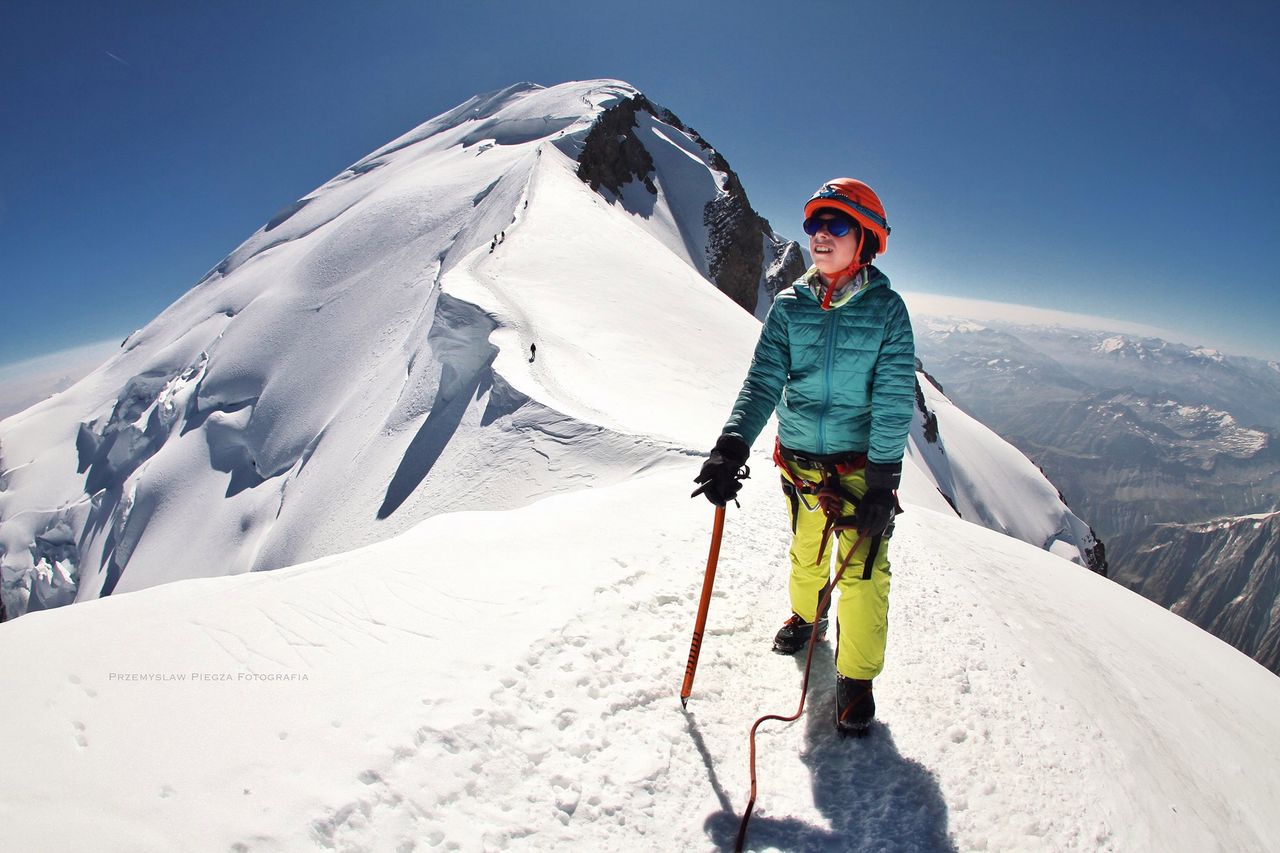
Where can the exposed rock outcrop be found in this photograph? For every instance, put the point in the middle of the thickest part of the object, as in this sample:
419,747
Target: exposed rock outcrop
929,420
787,266
1222,575
741,252
612,156
734,252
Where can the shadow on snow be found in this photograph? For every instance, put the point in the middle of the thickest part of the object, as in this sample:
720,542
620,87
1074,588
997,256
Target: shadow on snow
873,797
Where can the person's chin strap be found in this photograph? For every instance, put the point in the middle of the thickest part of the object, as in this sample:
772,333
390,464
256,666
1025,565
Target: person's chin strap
847,274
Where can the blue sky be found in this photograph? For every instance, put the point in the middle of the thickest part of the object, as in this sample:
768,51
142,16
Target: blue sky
1115,159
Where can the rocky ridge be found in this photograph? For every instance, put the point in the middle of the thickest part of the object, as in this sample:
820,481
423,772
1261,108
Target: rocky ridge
1223,575
743,256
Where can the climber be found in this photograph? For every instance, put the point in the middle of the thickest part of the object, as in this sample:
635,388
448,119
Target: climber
836,360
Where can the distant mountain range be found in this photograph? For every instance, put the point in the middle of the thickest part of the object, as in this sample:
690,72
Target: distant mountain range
1223,575
25,383
1148,441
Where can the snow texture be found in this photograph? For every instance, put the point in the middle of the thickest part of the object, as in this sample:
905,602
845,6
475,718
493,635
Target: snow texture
529,702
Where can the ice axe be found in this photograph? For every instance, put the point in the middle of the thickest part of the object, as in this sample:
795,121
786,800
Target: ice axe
700,624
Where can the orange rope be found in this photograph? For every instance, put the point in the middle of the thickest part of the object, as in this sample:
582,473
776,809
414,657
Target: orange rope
804,692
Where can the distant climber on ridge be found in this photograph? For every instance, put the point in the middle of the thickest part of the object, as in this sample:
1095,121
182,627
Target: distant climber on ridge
836,359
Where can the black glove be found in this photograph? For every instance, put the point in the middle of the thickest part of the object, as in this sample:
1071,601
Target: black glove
878,506
722,474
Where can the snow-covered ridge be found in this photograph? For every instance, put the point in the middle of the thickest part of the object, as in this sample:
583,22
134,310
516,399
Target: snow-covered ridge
322,387
522,112
986,480
1217,524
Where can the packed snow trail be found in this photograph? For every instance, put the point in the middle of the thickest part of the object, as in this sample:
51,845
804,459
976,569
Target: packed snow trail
510,680
635,341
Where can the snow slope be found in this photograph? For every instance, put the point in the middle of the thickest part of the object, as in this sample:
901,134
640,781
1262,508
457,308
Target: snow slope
990,482
530,701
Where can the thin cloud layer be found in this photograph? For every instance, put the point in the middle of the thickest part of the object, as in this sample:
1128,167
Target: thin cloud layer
934,305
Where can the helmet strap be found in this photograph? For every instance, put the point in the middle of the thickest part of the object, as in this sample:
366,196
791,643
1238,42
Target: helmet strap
847,274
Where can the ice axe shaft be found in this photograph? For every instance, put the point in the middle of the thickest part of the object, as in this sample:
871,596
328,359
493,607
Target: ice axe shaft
700,625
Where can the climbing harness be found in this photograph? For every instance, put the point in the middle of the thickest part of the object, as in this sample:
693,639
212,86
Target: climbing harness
827,493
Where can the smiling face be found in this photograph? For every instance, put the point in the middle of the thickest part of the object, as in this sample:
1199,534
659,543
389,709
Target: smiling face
833,254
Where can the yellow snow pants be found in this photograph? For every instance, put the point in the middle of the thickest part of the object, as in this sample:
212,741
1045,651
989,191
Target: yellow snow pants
862,615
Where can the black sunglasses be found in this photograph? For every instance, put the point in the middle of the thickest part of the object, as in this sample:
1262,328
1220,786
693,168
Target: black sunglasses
837,226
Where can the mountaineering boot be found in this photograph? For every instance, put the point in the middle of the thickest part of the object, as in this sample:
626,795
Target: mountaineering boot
855,706
794,634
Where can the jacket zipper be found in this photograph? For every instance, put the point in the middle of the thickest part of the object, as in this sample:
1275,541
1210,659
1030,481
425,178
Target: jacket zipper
826,382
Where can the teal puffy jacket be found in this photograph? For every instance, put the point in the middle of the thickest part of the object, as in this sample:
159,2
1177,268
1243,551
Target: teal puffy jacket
842,380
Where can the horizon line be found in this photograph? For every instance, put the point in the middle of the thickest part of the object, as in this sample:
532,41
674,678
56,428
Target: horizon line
918,302
968,308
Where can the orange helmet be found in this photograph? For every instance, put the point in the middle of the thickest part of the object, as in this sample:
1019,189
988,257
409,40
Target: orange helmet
856,199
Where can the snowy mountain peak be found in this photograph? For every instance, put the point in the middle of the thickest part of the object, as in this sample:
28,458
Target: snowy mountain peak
1115,343
1121,346
366,359
949,326
519,113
